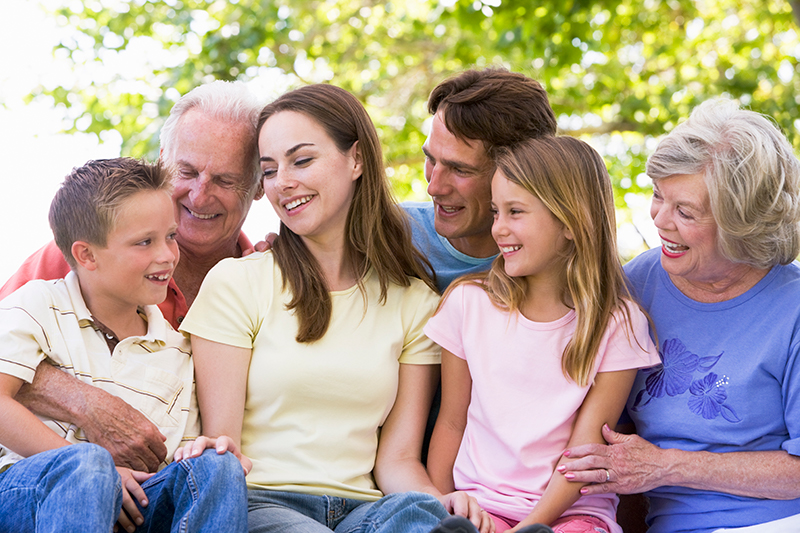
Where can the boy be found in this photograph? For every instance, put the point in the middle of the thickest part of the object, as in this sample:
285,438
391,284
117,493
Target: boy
114,222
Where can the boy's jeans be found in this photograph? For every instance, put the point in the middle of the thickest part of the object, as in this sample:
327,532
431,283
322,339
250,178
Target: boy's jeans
77,489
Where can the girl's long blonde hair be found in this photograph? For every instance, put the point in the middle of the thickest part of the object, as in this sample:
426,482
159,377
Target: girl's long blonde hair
571,179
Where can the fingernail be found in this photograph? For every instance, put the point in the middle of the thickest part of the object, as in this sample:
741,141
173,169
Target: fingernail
606,427
584,490
144,504
569,475
139,521
566,453
561,468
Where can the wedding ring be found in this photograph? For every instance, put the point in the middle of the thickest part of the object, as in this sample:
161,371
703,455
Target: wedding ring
608,476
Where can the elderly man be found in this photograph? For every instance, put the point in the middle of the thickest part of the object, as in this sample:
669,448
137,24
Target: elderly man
210,141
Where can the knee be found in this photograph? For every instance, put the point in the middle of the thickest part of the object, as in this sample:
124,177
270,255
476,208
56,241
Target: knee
415,500
86,464
225,465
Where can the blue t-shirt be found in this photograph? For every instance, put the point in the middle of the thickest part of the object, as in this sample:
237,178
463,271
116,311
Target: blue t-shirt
729,382
447,262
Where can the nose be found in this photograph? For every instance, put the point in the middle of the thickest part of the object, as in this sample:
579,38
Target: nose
200,191
436,176
658,212
282,181
168,252
499,227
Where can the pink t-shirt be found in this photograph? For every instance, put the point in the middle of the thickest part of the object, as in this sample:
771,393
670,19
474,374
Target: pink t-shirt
522,407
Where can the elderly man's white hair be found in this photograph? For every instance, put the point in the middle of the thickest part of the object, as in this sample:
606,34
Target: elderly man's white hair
221,101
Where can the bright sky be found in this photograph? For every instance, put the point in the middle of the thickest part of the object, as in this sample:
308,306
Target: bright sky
36,156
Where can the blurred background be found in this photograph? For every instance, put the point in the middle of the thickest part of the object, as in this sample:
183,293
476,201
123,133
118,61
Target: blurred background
88,79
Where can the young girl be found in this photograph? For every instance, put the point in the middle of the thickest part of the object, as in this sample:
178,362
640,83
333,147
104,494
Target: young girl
541,351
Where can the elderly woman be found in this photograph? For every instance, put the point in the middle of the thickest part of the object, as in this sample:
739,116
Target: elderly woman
718,422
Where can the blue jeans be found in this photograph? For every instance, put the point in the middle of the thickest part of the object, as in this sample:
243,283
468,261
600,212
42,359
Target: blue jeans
70,489
405,512
205,493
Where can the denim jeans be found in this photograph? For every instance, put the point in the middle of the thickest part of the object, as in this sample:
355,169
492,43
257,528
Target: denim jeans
405,512
70,489
205,493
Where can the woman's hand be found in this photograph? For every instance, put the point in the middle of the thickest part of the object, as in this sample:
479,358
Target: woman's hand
627,465
222,444
129,515
462,504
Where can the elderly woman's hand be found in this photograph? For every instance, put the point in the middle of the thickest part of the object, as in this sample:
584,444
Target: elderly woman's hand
627,465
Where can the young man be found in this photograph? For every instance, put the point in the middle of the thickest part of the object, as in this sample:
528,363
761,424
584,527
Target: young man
473,114
114,222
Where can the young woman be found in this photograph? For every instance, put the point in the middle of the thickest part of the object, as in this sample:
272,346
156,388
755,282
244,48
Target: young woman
311,356
541,351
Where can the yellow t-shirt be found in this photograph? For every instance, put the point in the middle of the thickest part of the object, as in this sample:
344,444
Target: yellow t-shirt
313,411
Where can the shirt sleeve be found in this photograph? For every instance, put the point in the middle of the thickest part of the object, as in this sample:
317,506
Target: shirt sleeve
23,331
226,309
417,347
445,327
790,389
627,343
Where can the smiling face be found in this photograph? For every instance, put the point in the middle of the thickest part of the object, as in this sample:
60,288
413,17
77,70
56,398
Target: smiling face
213,186
135,266
459,178
531,239
308,181
681,211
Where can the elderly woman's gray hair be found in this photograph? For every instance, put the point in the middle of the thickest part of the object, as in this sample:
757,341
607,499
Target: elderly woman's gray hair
222,101
752,175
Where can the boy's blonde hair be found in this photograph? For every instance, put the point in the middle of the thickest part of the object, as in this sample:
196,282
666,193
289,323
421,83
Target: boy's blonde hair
87,204
571,179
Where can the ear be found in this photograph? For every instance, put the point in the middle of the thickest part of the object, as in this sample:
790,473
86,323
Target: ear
568,234
259,190
83,253
355,153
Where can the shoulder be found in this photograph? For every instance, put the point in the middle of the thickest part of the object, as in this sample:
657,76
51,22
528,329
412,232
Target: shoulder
421,211
46,263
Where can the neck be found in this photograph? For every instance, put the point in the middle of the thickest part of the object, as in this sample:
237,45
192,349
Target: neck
478,246
737,281
339,273
544,300
121,318
192,268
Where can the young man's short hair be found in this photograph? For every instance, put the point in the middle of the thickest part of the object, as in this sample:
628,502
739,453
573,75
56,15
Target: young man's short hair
86,205
495,106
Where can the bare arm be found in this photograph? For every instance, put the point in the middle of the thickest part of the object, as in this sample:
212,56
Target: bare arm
635,465
108,421
449,428
221,376
602,405
398,466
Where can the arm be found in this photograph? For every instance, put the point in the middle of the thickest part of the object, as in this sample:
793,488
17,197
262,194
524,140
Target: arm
635,465
602,405
449,428
221,377
108,421
20,430
398,466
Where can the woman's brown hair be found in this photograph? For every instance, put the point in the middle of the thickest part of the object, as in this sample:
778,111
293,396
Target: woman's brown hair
377,233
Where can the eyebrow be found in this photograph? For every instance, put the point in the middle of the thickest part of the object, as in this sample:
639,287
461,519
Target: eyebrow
289,152
185,164
452,163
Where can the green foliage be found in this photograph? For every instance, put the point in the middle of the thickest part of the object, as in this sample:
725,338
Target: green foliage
619,72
